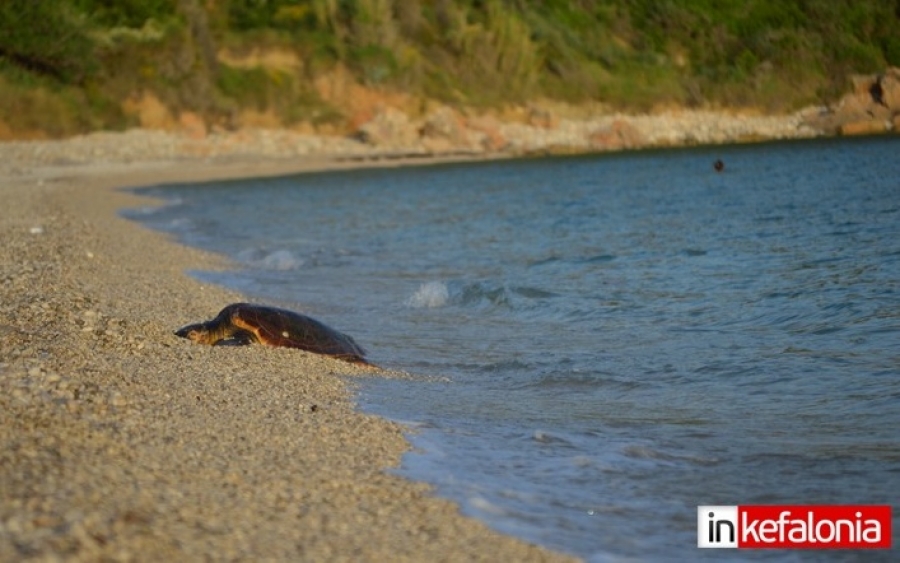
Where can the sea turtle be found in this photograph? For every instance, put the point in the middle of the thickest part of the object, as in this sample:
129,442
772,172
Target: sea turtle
243,323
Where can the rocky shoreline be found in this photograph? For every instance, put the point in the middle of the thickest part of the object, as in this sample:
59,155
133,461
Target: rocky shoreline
872,107
391,134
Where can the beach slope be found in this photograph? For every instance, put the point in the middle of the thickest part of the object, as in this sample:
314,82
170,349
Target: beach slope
120,441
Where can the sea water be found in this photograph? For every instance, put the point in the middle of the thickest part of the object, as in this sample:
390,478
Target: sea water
602,343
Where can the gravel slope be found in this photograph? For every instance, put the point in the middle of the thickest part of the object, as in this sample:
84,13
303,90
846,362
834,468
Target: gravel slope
120,441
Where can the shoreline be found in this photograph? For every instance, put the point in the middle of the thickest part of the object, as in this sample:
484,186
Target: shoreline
392,138
385,133
121,441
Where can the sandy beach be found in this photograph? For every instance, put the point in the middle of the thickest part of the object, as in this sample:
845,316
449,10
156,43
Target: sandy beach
122,442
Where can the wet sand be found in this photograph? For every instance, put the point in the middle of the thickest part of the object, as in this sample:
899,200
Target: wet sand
120,441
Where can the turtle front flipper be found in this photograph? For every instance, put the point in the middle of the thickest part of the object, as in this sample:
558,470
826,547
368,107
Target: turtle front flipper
214,331
239,338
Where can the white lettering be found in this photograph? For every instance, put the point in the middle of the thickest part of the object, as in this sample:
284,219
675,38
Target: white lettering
767,527
832,532
749,529
848,525
797,533
873,526
782,520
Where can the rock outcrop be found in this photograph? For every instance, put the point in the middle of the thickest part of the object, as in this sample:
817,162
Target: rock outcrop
617,135
390,129
873,106
446,131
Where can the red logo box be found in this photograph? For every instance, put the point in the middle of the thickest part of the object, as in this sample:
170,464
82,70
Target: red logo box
794,527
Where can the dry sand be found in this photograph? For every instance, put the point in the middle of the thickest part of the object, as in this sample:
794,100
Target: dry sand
119,441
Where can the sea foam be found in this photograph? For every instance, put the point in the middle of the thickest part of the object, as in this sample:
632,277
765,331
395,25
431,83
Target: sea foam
430,295
280,260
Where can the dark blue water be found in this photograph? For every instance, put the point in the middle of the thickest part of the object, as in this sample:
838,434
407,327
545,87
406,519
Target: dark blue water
615,339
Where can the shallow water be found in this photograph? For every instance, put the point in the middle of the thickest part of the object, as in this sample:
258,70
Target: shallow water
618,339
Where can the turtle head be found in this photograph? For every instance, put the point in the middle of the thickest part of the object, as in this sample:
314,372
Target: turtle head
198,333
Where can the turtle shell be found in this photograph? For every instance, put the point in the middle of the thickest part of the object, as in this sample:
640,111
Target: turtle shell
279,327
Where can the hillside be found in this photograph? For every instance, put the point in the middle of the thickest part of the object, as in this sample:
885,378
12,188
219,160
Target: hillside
71,66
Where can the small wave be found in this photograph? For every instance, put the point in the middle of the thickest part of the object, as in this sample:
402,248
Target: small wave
480,293
484,505
544,261
503,366
435,294
597,259
162,204
543,437
430,295
533,292
642,452
282,260
142,211
477,293
279,260
582,380
590,259
180,224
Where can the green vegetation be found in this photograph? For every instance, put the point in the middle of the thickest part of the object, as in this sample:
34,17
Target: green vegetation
66,66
